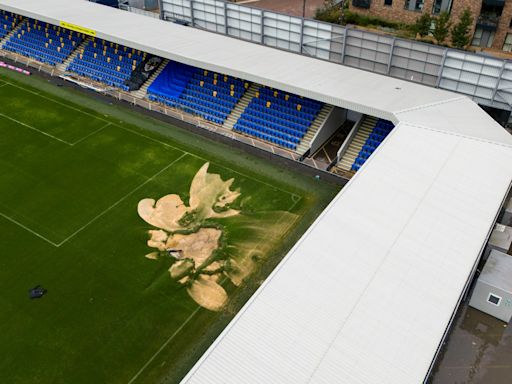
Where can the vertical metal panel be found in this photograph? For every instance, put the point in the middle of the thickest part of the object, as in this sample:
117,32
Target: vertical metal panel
473,75
209,15
487,80
416,61
282,31
177,10
322,40
244,22
367,50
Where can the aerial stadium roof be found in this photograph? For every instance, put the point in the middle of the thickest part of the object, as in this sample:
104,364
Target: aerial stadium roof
367,294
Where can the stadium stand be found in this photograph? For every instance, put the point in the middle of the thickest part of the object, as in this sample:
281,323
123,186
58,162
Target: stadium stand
8,22
370,134
107,62
277,117
378,134
208,94
43,42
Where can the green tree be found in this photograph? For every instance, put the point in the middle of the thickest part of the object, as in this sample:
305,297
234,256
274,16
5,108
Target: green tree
422,25
442,28
460,31
330,12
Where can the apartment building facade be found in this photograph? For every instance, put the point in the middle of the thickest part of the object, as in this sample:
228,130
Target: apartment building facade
492,19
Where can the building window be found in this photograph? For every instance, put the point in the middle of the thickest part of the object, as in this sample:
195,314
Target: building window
493,299
507,46
483,38
388,2
413,5
365,4
441,6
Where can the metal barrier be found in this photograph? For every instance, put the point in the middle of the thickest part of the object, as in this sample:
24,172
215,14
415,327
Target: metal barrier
487,80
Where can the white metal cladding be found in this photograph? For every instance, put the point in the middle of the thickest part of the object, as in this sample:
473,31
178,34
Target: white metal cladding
401,58
282,31
244,23
368,292
178,9
366,295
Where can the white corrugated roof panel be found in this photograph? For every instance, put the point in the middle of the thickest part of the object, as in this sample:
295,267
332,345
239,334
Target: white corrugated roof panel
367,293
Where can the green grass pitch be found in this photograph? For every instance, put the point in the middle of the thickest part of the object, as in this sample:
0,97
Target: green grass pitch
72,171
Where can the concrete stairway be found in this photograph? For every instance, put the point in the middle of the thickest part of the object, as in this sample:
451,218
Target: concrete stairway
320,118
142,91
12,33
357,143
64,65
240,106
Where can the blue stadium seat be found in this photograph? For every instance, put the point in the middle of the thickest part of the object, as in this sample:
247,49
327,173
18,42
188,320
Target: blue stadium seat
107,62
44,42
208,94
377,135
278,117
8,22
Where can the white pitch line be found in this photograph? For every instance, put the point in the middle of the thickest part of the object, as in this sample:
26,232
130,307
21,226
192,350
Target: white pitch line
119,201
28,229
90,134
148,137
153,139
164,345
35,129
205,159
56,101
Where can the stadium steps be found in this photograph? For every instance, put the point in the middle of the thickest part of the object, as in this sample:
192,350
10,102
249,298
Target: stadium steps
357,143
142,91
12,33
320,118
64,65
240,106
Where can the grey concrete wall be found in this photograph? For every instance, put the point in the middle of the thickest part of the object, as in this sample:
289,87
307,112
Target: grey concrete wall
503,311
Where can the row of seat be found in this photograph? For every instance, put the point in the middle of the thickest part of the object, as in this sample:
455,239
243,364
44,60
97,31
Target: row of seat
289,97
269,123
269,131
106,62
8,22
379,132
208,94
279,119
272,115
241,127
289,104
43,42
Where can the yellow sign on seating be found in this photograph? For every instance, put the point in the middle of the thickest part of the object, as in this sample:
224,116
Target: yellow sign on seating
78,28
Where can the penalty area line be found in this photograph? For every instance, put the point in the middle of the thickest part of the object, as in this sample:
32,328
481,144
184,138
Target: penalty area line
136,376
28,229
34,129
90,134
120,200
56,101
